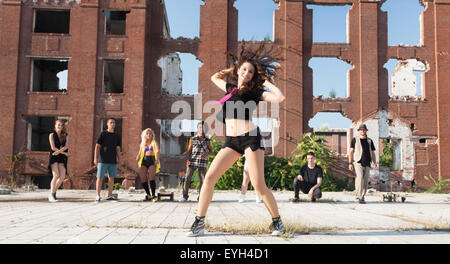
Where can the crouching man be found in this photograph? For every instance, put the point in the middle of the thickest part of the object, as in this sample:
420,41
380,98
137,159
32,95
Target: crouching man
309,180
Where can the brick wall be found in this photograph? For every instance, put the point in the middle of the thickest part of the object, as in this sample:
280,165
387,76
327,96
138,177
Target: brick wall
142,103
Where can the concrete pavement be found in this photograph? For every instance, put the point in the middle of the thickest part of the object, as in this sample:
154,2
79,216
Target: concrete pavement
28,217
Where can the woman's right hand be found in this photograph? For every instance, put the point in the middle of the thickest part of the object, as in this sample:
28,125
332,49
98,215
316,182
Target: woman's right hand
229,70
221,74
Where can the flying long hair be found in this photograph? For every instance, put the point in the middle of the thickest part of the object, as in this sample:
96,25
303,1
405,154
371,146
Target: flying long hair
265,59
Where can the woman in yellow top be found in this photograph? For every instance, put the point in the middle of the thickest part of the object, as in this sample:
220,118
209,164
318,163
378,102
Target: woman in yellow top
148,161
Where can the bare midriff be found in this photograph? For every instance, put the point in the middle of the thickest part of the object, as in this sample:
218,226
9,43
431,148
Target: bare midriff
236,127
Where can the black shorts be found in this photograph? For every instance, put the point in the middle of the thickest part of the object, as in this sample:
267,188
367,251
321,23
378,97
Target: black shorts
250,139
148,161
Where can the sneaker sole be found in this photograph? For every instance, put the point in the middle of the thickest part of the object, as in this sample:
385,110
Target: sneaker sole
277,233
201,233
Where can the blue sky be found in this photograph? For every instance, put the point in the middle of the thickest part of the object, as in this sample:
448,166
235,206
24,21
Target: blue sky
329,25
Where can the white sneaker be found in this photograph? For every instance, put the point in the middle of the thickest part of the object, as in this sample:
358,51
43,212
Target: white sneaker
277,227
242,198
51,198
182,200
98,198
197,228
258,199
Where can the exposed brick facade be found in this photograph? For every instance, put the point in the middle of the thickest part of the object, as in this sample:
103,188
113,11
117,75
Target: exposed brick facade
141,103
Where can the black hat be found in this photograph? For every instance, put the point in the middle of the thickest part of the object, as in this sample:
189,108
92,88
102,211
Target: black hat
362,126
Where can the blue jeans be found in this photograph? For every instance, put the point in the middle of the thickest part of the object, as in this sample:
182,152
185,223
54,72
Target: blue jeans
103,167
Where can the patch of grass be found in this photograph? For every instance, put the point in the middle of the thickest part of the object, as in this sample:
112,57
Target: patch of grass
262,228
140,224
136,225
89,223
427,225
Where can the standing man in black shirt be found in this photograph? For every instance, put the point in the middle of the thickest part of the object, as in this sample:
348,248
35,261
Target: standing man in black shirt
108,146
309,180
362,153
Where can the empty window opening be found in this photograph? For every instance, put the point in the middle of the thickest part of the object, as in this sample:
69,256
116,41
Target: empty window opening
113,75
39,129
49,75
423,140
330,23
179,73
404,22
405,77
182,18
255,19
115,22
51,21
330,77
169,143
333,126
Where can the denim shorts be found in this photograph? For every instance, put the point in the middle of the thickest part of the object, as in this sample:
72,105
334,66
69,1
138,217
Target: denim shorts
250,139
106,167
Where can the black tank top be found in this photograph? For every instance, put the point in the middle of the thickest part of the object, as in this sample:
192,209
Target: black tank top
242,106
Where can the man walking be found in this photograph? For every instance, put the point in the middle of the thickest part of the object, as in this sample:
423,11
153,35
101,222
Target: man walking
309,180
362,154
108,146
197,159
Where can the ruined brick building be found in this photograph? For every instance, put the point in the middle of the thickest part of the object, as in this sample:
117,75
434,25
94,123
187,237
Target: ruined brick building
109,52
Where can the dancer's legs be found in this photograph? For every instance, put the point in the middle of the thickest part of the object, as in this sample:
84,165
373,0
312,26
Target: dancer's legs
255,161
221,163
245,181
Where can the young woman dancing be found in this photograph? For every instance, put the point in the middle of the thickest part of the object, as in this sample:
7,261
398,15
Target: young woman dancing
250,73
